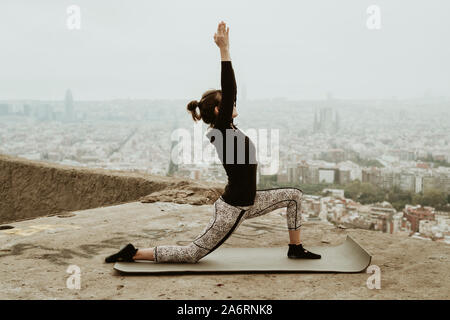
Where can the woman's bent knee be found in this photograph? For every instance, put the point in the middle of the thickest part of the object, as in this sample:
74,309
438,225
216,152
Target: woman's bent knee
297,194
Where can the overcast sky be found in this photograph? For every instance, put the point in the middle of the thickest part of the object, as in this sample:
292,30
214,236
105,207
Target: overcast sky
165,49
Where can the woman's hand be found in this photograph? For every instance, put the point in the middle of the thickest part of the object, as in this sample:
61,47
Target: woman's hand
221,36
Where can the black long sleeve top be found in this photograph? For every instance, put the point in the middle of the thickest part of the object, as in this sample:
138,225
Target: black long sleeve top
235,150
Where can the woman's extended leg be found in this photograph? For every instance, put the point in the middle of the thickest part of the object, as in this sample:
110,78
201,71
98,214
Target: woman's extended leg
226,218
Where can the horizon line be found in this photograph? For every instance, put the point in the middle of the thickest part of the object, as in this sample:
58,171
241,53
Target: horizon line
394,98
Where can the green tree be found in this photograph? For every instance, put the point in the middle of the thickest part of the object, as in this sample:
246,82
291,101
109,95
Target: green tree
434,198
351,190
363,192
417,198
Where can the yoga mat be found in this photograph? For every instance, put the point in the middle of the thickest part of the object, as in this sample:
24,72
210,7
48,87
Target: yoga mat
348,257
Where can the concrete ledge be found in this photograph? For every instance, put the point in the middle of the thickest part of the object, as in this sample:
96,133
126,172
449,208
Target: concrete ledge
31,189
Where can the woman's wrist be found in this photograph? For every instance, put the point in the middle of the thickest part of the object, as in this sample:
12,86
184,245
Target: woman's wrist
225,54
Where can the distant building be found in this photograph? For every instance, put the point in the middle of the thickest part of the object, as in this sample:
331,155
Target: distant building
429,182
27,110
308,174
414,214
372,176
422,165
382,215
333,155
419,184
326,122
338,193
293,173
4,109
405,180
432,229
444,181
379,217
44,112
344,176
403,155
311,205
68,105
303,173
327,175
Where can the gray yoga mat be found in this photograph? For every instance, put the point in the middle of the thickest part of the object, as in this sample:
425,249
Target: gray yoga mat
348,257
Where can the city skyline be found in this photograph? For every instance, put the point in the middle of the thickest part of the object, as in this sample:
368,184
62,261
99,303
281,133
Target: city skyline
394,150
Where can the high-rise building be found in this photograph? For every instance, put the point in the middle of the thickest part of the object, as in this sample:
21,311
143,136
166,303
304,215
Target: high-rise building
4,109
326,122
26,110
316,127
337,122
344,176
407,182
68,104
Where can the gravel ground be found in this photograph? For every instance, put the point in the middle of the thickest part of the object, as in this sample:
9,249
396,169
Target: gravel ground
35,256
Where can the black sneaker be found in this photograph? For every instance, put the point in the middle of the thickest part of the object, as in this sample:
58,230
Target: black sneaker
296,251
125,254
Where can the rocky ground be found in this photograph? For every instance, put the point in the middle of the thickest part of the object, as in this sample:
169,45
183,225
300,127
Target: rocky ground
35,255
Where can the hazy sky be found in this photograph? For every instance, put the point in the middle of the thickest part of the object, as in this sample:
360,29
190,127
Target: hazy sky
279,48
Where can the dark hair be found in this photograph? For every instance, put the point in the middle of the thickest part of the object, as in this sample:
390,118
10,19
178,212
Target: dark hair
210,99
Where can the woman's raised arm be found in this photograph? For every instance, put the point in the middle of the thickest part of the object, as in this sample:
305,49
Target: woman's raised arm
228,80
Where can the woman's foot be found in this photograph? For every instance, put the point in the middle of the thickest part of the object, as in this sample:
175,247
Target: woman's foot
125,254
296,251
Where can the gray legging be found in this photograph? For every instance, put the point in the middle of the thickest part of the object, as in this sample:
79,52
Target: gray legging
226,218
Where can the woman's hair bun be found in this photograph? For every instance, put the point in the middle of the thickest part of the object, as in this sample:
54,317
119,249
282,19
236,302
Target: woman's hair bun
191,108
192,105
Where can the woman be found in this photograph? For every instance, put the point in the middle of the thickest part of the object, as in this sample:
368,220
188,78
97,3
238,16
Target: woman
240,199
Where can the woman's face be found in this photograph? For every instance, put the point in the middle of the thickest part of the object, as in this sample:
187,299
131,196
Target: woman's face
235,114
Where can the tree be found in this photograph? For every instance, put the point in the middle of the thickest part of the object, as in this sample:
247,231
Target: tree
363,192
434,198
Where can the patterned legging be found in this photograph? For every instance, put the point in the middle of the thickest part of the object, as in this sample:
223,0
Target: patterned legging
227,218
